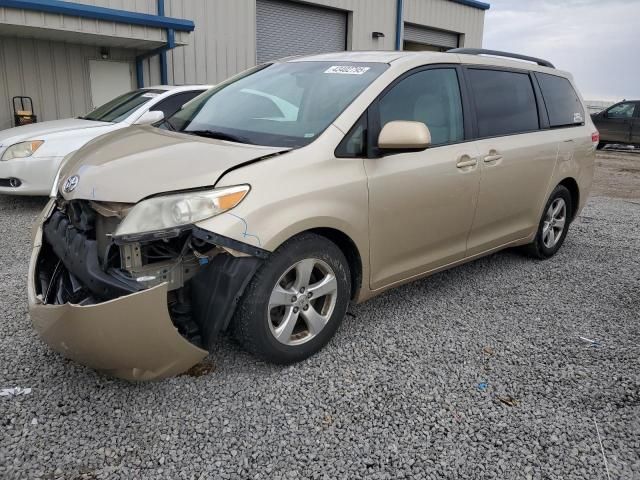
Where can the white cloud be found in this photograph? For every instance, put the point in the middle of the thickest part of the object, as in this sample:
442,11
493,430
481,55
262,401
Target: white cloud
597,41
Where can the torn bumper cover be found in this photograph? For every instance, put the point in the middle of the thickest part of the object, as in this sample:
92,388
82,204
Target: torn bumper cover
131,334
131,337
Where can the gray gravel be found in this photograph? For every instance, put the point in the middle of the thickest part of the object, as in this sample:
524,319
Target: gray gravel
397,394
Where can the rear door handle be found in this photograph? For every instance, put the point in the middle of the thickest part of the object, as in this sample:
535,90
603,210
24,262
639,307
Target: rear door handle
492,158
466,161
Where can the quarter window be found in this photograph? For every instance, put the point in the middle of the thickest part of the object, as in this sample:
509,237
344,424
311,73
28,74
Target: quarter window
355,142
505,102
431,97
622,110
175,102
562,102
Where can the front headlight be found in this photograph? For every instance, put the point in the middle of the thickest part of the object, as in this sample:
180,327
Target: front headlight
171,211
22,149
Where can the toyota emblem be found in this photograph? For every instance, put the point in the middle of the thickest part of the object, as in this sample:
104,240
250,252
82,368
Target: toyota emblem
71,184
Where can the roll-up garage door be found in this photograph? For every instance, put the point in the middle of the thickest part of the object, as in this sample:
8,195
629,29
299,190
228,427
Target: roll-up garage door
417,34
285,28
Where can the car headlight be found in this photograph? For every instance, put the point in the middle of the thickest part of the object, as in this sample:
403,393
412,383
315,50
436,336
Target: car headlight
174,211
22,149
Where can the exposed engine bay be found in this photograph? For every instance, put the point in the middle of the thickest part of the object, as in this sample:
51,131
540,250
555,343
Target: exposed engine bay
82,262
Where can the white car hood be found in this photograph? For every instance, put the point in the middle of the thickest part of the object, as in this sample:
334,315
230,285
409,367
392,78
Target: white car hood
36,131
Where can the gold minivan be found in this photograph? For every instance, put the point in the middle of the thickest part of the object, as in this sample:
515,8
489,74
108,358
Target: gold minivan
269,202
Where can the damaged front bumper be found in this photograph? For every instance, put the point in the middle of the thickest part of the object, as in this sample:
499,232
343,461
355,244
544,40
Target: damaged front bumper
133,334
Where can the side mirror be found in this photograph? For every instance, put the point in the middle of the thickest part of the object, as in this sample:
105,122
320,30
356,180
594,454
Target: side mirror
152,116
403,135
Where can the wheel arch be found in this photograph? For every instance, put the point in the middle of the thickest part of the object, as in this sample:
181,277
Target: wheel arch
351,252
570,184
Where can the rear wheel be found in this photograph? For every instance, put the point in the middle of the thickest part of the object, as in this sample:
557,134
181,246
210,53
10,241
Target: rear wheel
296,301
553,226
601,145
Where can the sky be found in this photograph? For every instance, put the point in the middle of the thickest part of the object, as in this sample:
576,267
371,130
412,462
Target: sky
597,41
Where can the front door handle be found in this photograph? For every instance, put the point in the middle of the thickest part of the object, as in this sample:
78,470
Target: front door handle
466,161
492,158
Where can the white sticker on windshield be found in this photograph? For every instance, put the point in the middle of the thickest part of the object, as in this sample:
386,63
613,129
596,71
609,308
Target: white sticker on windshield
150,95
347,70
577,118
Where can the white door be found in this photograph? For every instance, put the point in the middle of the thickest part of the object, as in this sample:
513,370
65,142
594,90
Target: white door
108,80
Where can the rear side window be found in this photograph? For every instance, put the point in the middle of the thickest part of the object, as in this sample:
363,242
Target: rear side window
560,99
505,102
431,97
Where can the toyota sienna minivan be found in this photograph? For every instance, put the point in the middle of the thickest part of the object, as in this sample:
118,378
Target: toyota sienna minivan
268,203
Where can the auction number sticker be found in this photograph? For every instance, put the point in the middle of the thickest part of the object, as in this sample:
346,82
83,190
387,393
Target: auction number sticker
347,70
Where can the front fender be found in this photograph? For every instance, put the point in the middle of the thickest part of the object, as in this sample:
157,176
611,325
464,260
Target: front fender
297,191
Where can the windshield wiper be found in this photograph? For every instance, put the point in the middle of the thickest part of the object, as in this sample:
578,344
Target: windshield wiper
218,135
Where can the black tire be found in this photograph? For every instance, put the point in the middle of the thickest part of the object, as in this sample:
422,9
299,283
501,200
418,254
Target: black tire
537,248
601,145
252,318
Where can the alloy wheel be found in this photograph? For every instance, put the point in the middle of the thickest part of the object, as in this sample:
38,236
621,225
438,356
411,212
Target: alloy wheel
302,301
554,223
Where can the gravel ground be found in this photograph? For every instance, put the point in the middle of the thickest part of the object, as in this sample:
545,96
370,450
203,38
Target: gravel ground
478,372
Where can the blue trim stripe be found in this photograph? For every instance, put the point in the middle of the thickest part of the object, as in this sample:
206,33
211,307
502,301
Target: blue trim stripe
473,3
399,24
164,71
101,13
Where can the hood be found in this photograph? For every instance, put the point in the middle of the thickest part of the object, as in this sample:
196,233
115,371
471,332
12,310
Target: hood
136,162
36,131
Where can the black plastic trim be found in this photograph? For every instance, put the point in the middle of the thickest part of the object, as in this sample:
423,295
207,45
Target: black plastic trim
498,53
231,243
216,291
79,255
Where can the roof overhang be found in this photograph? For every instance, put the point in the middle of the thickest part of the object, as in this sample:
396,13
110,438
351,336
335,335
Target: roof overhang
473,3
58,20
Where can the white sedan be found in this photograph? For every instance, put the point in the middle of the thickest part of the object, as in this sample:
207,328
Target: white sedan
30,155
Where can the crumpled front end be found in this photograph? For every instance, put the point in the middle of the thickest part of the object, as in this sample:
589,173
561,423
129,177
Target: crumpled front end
138,310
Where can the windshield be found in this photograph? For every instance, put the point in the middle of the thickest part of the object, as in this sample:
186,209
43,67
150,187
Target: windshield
282,105
121,107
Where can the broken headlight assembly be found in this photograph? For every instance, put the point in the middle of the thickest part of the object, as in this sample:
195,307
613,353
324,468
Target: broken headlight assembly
22,149
168,214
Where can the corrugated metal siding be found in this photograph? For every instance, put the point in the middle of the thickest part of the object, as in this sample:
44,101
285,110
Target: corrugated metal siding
420,34
55,75
287,28
223,43
366,17
450,16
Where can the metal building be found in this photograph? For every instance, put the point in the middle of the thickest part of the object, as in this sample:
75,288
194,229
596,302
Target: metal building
72,55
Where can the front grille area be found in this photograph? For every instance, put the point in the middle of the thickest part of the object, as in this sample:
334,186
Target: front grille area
80,264
69,269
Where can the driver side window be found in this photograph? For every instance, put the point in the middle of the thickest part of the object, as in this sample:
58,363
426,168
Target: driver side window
623,110
431,97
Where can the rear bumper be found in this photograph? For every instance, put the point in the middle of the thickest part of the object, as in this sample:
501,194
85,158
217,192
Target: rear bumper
131,337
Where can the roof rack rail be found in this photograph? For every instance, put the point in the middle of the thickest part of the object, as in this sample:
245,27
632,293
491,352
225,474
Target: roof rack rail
497,53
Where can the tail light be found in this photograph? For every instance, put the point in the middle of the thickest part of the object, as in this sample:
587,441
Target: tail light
595,137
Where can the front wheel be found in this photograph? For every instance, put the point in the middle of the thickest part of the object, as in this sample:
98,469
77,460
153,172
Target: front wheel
296,301
553,226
